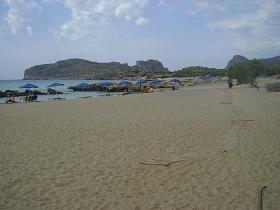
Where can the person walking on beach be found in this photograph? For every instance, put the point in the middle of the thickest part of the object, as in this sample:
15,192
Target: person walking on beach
255,84
229,81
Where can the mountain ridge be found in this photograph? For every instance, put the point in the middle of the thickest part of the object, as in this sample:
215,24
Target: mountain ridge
76,68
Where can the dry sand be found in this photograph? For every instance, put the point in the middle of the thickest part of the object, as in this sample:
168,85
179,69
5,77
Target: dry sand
86,154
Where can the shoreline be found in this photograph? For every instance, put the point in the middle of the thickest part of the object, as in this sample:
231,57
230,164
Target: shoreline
97,94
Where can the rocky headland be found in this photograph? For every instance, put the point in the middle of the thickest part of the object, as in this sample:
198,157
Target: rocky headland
84,69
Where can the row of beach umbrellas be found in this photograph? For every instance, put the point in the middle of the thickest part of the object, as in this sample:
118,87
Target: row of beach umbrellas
29,85
102,84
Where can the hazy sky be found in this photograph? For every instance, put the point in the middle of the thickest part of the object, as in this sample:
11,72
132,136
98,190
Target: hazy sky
179,33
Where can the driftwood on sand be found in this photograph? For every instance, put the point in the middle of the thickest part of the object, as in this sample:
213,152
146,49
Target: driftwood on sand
165,163
226,103
160,162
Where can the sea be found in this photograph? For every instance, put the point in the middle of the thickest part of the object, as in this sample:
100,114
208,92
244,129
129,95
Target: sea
43,85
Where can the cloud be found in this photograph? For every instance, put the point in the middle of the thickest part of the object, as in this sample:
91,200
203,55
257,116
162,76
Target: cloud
141,21
50,1
162,3
253,30
204,5
29,30
90,16
20,13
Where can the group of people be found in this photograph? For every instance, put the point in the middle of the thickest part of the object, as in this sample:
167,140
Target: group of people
30,98
11,99
27,98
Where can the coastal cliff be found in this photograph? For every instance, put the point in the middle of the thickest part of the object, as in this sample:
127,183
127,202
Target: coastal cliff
84,69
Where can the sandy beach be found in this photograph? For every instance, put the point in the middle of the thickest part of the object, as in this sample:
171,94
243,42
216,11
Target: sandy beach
204,147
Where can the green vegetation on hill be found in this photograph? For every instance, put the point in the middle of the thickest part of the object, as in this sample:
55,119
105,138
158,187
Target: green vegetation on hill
195,71
247,72
273,70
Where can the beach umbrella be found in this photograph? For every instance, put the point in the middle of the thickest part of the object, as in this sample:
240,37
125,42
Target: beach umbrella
55,84
141,81
175,81
83,86
28,86
105,84
156,81
124,82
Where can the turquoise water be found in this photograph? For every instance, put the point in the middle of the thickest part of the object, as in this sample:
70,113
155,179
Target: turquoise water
42,86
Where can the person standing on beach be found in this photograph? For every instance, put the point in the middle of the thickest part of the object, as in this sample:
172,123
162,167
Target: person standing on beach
229,81
13,99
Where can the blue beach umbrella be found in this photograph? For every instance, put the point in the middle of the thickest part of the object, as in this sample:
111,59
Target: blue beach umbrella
141,81
28,86
124,82
105,84
83,86
156,81
55,84
175,81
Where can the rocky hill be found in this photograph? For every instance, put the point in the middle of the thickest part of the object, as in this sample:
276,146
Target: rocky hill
238,59
84,69
149,66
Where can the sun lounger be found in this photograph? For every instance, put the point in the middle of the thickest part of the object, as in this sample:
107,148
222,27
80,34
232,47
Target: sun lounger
107,94
57,99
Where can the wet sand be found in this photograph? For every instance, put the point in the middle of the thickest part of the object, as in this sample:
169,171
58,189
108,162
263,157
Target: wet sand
195,148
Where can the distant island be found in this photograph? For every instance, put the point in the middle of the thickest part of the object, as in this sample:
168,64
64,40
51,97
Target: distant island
76,68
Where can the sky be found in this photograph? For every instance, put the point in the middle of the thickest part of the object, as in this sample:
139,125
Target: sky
179,33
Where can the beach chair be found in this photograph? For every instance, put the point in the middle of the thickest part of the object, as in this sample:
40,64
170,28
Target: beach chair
57,99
